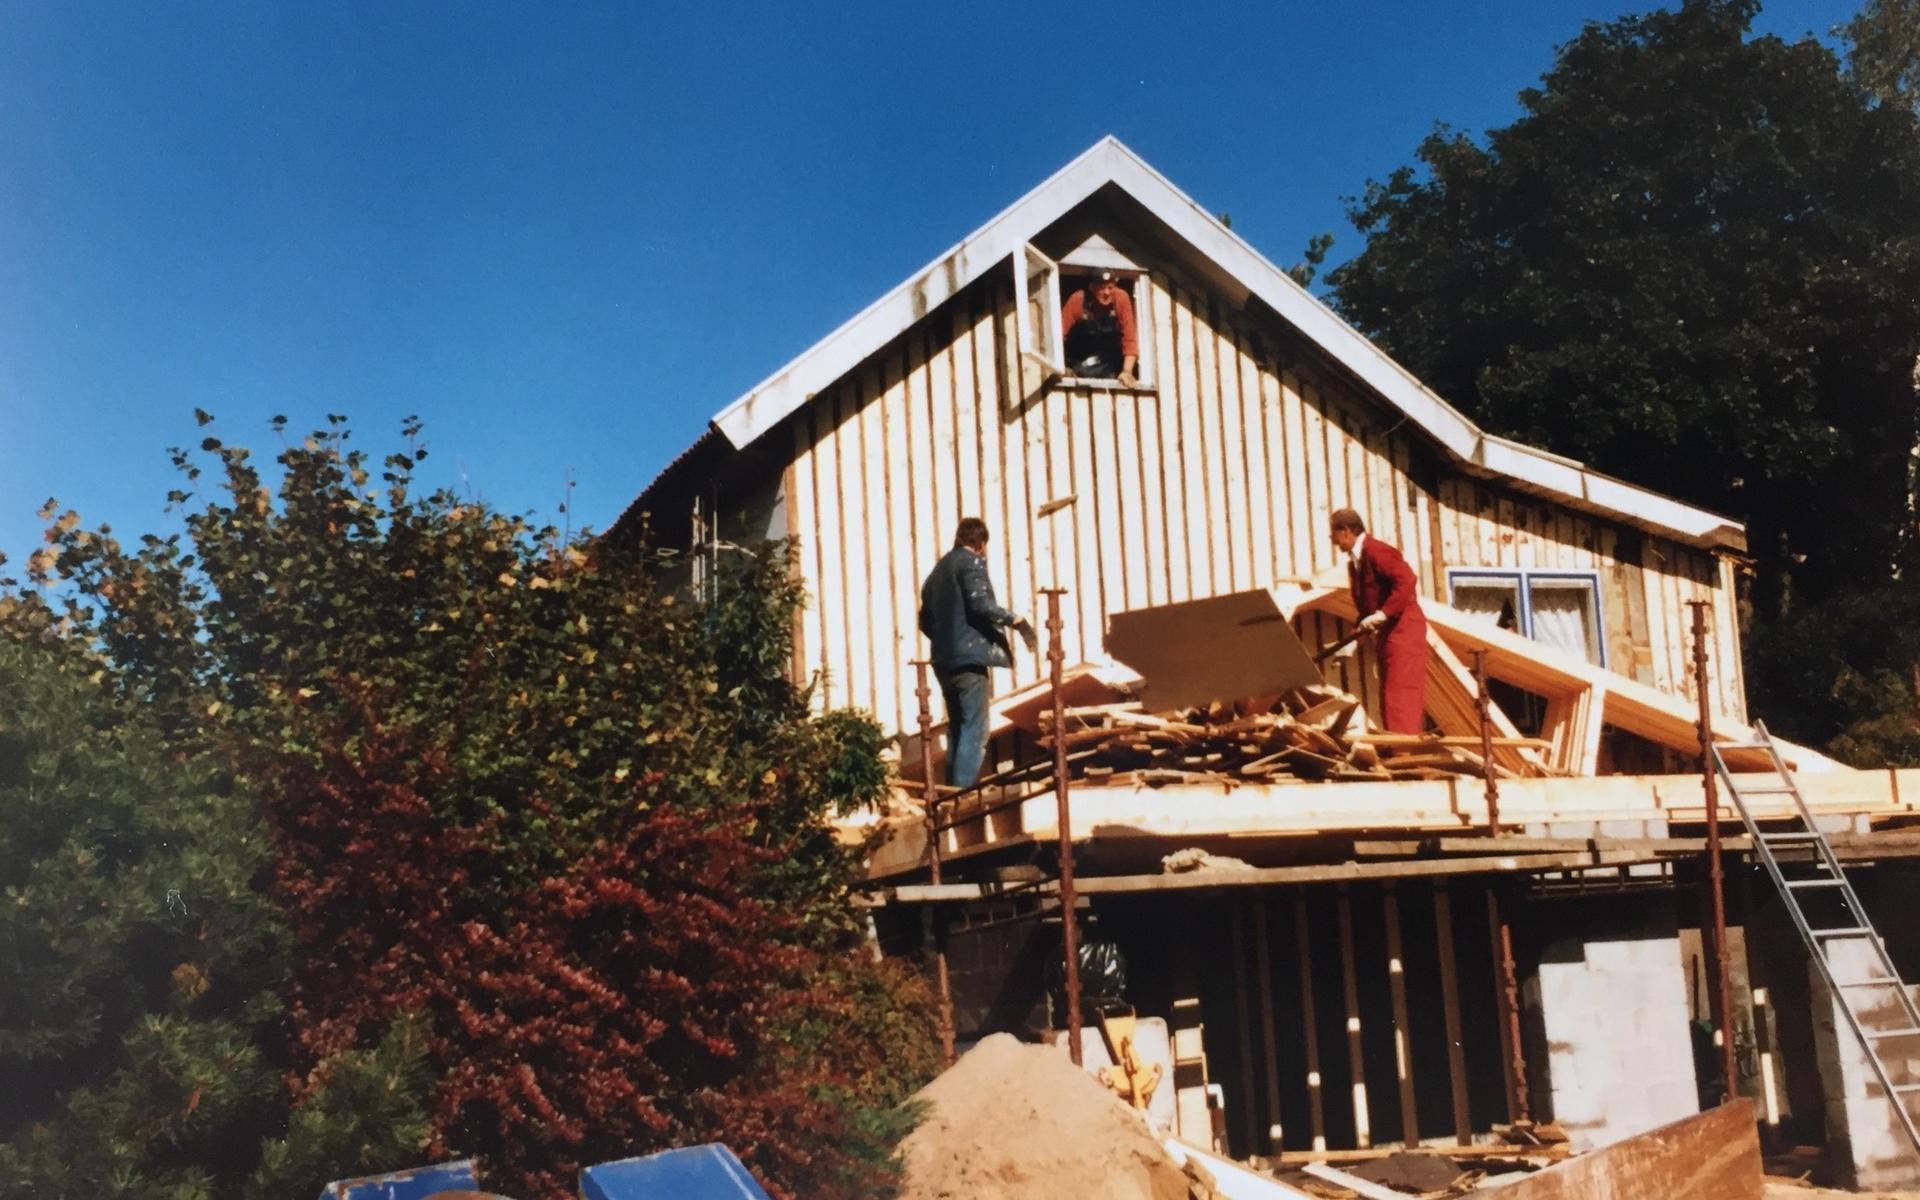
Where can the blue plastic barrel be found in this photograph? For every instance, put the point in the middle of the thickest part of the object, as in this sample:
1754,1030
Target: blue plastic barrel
417,1184
709,1172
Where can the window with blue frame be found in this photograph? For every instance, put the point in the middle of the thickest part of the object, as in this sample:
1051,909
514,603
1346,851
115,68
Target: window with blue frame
1557,608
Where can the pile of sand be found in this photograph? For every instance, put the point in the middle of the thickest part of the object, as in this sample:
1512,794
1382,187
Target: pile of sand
1018,1122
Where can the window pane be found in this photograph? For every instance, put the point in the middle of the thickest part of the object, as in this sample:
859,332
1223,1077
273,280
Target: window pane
1563,618
1494,600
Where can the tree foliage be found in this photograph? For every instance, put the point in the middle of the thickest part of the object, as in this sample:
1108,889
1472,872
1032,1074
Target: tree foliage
1693,261
527,804
138,1030
1883,50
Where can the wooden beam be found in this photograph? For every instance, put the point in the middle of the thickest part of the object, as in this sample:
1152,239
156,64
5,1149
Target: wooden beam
1712,1156
1356,1057
1348,872
1268,876
1237,921
1268,1037
1450,1008
1402,1023
1304,953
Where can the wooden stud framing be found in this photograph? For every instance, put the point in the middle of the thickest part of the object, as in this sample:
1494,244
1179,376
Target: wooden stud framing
1356,1051
1263,961
1303,950
1450,1008
1402,1023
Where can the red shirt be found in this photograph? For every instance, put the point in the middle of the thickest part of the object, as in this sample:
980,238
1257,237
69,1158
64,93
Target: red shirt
1383,582
1075,308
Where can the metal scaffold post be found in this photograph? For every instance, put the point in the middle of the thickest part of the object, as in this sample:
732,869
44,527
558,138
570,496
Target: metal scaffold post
931,794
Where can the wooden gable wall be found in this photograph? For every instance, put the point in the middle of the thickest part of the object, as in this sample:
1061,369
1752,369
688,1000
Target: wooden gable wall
1218,480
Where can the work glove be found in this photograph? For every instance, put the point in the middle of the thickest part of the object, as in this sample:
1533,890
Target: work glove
1372,622
1024,628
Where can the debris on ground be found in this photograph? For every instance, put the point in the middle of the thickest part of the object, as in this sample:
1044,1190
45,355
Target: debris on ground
1418,1174
1303,734
1012,1121
1193,858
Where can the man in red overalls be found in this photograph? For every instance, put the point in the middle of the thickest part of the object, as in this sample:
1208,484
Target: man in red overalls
1388,598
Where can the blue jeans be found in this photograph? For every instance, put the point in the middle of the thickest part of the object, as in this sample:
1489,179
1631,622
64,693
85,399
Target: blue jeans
965,691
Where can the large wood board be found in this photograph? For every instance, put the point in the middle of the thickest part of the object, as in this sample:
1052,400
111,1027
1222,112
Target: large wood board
1221,648
1713,1156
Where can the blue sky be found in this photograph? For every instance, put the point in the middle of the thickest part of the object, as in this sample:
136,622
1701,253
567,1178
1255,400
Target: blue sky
565,235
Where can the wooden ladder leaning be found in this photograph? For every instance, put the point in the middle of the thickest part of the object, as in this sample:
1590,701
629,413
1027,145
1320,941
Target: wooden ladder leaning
1825,877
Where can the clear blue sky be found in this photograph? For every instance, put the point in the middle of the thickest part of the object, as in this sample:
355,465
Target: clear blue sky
567,234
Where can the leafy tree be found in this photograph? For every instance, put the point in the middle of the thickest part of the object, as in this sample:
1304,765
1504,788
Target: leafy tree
137,1026
1883,50
520,791
1693,261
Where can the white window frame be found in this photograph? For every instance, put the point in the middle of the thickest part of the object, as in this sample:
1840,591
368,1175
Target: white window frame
1524,579
1042,350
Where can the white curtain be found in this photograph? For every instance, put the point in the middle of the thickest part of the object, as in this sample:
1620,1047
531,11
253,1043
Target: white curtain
1496,603
1562,619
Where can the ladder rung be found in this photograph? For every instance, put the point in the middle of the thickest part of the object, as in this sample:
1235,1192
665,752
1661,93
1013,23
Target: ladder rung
1874,983
1743,745
1771,789
1807,883
1910,1031
1906,1087
1847,931
1800,836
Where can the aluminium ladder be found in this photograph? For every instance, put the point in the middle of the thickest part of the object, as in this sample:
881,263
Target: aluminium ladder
1828,877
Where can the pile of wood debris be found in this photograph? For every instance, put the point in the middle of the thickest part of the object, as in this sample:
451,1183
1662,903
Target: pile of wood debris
1303,735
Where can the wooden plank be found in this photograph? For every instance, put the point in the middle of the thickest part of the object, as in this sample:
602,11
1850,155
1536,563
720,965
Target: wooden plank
1124,550
1303,953
1712,1156
929,542
1270,1051
1402,1022
1260,489
1320,506
966,414
1449,518
906,564
1154,552
943,482
1450,1010
1727,601
1233,522
1015,432
1178,470
1292,449
805,528
1085,603
1506,524
833,592
1279,502
1356,1053
868,644
1202,449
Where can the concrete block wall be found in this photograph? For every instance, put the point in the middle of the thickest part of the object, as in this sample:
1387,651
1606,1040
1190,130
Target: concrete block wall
1610,1007
1867,1147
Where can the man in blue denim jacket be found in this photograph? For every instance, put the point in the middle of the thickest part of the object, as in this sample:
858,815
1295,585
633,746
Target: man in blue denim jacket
968,628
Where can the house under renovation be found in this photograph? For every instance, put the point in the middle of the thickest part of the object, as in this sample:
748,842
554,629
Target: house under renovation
1336,938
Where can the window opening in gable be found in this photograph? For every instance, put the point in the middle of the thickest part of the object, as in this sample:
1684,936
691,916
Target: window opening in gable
1102,341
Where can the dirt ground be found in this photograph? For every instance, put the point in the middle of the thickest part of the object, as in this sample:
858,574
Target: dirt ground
1011,1121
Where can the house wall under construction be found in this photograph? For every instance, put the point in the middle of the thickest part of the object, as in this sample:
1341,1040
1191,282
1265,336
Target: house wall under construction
1379,969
